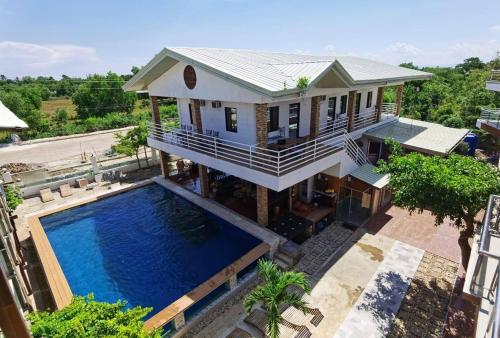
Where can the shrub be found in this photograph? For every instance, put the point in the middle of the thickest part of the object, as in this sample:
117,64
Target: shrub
302,82
85,317
61,116
169,111
13,196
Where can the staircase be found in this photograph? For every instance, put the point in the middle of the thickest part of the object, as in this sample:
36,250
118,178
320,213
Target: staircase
354,151
287,255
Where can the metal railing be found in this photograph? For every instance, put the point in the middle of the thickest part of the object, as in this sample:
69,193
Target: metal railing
340,123
354,151
490,116
490,228
274,162
364,120
495,75
389,108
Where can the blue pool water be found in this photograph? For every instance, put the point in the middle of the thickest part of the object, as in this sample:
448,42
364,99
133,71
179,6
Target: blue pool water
147,246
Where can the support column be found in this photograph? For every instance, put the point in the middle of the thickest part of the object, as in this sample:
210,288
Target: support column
262,206
179,321
380,100
314,129
11,319
202,170
164,157
399,99
261,124
232,282
350,110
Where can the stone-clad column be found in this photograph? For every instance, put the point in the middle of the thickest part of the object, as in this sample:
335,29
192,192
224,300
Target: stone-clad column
262,137
314,130
164,157
380,100
202,170
399,99
350,110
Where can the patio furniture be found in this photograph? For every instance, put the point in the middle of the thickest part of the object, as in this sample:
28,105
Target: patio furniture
46,195
82,182
291,226
239,333
257,318
65,190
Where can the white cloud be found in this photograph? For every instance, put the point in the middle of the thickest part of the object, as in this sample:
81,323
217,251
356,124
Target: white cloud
36,59
330,49
495,28
443,55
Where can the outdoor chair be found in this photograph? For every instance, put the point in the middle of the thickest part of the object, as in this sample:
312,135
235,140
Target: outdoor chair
239,333
46,195
257,318
65,190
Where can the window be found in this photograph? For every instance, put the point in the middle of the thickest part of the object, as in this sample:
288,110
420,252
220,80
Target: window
216,104
369,100
332,105
273,118
358,103
374,148
343,104
231,119
294,119
190,114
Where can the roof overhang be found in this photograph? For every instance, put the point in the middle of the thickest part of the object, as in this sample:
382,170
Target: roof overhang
9,121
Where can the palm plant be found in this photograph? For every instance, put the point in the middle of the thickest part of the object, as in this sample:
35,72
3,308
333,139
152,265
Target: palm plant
273,294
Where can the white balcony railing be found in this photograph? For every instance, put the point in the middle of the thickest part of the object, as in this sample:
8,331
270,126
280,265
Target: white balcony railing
364,120
270,161
495,75
389,108
490,116
340,123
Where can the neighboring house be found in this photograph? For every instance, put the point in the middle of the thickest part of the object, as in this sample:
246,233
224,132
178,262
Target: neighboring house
9,121
242,113
489,120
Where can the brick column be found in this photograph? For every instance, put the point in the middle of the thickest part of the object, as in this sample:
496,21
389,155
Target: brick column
314,129
164,157
380,100
399,99
262,206
261,124
262,137
350,110
11,320
202,170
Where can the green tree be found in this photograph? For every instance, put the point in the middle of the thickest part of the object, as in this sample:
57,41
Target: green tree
456,187
470,64
273,294
85,317
13,196
130,143
61,116
100,95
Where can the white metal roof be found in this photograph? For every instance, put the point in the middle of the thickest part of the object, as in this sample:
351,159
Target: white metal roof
366,174
269,72
421,136
8,120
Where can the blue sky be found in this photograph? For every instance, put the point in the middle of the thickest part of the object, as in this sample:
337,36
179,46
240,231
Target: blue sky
71,37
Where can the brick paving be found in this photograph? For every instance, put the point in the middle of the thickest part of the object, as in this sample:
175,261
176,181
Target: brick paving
425,306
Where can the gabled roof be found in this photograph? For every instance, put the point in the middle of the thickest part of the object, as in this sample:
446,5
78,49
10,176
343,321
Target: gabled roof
426,137
271,73
9,121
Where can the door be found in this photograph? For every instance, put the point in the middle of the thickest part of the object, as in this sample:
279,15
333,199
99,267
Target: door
294,120
358,104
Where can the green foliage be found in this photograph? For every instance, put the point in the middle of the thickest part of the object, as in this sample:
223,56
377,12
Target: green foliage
130,143
470,64
273,294
13,196
61,116
100,95
302,82
85,317
168,111
456,187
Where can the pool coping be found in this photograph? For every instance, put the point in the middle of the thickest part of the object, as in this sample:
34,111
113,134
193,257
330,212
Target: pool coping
59,287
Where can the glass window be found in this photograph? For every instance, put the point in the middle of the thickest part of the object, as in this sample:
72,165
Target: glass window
343,104
294,119
273,118
231,119
369,100
332,106
190,114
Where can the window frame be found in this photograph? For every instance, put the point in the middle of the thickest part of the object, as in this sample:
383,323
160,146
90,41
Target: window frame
273,119
343,104
369,99
331,111
228,112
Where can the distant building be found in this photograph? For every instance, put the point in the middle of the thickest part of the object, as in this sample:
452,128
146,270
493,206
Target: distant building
9,121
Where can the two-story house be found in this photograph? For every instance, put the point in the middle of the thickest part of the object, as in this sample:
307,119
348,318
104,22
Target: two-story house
280,121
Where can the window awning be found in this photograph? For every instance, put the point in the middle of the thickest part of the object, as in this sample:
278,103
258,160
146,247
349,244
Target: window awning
366,174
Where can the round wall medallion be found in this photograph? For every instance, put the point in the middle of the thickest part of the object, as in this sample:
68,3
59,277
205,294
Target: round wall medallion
189,77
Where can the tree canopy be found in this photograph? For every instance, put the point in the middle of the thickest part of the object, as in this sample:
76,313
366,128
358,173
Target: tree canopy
455,187
85,317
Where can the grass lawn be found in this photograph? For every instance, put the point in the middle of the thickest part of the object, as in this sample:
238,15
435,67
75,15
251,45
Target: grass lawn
50,106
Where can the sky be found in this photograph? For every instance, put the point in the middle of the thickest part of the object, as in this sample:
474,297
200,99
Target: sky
77,38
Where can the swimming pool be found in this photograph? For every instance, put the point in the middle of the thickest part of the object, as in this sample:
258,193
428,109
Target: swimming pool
147,246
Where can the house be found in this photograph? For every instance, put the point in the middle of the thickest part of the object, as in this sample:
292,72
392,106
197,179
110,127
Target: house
9,121
298,130
489,120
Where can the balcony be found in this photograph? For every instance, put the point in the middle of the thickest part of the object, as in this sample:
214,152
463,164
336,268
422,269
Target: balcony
482,280
489,120
493,83
275,169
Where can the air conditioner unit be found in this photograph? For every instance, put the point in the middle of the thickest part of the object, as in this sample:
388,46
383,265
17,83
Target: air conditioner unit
202,103
216,104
